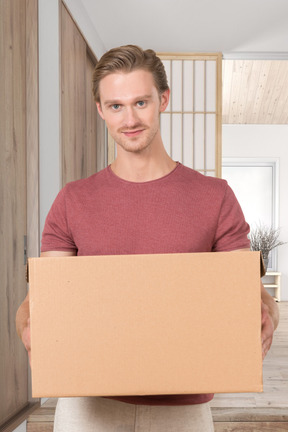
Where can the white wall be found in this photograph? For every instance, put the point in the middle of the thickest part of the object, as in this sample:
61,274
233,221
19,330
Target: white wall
22,427
265,141
49,106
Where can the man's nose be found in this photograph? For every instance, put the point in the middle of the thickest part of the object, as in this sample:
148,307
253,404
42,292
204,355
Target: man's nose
131,118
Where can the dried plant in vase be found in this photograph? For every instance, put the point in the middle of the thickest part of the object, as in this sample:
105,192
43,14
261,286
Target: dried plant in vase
264,239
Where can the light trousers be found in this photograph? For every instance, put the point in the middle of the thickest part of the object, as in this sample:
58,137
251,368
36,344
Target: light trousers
89,414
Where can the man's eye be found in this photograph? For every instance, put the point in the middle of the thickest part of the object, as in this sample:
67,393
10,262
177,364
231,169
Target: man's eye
141,103
115,106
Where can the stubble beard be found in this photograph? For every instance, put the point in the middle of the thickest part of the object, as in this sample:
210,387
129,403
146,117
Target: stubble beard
136,144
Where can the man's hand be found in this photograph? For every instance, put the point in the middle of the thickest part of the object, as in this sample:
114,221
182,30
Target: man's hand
267,329
26,339
23,324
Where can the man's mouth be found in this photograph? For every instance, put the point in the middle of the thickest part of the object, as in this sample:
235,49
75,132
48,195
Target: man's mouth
132,133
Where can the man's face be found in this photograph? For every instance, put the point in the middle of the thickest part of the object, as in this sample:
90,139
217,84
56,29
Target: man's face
130,105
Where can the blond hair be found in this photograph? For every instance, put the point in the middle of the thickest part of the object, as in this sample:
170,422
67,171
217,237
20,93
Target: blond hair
127,59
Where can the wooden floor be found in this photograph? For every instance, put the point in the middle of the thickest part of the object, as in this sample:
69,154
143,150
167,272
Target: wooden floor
267,411
238,412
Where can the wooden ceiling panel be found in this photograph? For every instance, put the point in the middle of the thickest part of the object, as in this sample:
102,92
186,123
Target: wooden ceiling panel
255,92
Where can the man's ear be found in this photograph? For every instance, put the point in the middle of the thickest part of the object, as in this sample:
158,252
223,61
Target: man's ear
98,104
164,100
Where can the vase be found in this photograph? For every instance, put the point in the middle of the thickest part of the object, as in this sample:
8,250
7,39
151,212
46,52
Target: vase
266,261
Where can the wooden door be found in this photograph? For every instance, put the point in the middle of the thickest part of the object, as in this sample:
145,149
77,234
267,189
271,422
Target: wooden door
14,367
82,130
19,229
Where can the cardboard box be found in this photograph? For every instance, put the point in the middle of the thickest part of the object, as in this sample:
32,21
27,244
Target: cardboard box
146,324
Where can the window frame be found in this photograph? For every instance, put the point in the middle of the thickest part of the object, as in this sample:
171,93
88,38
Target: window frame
273,163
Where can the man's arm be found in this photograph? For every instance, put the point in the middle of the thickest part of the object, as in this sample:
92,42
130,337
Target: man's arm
270,319
23,324
270,316
23,312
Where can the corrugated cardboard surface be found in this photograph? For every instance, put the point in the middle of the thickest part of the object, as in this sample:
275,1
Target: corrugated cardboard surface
146,324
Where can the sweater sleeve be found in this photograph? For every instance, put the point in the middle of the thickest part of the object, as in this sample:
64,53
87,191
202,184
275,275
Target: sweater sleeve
56,235
232,229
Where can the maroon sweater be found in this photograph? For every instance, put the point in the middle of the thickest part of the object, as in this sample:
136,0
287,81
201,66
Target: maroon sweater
181,212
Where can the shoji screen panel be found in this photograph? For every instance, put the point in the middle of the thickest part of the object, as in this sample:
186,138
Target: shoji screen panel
191,124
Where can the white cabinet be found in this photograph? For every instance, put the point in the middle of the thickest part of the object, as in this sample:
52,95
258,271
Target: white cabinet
272,281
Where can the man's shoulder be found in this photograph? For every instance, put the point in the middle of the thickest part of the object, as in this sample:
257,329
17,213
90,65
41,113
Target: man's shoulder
191,176
86,184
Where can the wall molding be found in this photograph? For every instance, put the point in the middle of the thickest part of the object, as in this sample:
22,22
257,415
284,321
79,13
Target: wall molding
256,55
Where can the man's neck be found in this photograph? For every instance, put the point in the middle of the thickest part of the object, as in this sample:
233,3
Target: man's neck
142,168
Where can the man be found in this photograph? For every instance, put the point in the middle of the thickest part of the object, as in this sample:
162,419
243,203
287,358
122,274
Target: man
143,203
